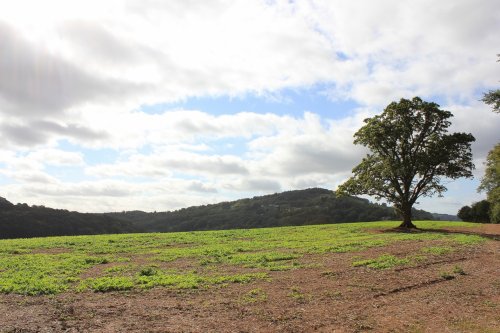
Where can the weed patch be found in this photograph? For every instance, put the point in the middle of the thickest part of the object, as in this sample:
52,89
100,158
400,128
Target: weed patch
437,250
106,284
385,261
254,296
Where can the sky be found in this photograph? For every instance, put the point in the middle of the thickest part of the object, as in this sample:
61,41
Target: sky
157,105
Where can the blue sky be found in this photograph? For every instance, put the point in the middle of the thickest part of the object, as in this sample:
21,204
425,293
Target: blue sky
123,105
282,102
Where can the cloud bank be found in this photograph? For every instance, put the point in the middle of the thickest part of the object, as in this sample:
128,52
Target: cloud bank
78,81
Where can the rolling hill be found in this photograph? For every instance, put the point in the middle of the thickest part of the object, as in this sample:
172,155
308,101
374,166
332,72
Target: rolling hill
301,207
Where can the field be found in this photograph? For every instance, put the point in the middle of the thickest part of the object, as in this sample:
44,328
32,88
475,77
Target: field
329,278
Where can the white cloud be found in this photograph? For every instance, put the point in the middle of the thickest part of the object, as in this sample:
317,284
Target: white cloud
114,195
160,165
478,119
30,168
56,157
265,185
81,73
158,51
418,48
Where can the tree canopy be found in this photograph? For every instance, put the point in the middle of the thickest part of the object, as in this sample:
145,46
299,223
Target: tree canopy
490,183
478,212
411,153
493,98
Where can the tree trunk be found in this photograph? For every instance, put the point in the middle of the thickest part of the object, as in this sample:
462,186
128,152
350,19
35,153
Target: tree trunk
407,224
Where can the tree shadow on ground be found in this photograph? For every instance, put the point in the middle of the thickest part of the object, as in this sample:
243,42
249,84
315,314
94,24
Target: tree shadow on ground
492,232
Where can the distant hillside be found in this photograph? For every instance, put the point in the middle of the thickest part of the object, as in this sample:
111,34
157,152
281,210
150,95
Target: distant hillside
445,217
311,206
23,221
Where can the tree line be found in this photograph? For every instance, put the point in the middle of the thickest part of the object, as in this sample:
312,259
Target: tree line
301,207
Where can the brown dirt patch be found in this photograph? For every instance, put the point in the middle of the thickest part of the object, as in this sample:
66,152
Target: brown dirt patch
328,296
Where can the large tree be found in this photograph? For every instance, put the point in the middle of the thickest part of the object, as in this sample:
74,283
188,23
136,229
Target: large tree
411,153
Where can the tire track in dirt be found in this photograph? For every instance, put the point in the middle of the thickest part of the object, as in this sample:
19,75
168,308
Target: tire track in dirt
413,286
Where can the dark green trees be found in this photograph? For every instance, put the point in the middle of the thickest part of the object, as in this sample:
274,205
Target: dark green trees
411,152
478,212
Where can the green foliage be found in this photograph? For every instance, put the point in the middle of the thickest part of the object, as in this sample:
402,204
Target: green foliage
437,250
493,98
297,294
458,270
411,151
478,212
385,261
187,280
490,183
236,278
447,275
304,207
21,221
106,284
465,214
192,280
118,269
148,271
254,296
37,274
51,265
468,239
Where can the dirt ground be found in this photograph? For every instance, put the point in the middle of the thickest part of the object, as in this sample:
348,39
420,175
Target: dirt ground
328,295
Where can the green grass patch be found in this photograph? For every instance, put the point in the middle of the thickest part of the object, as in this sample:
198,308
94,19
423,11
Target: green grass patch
254,296
106,284
385,261
297,294
42,274
459,270
447,275
437,250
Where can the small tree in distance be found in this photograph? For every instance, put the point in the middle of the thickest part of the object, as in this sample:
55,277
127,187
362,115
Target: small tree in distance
478,212
411,152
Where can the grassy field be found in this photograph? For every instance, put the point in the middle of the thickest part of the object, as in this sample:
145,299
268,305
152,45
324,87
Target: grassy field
200,260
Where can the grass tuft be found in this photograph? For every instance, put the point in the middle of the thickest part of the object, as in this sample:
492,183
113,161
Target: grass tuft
385,261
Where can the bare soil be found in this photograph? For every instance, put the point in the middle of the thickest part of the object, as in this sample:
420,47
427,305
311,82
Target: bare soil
328,295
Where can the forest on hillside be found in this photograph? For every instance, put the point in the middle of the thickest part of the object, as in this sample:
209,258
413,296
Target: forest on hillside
302,207
23,221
